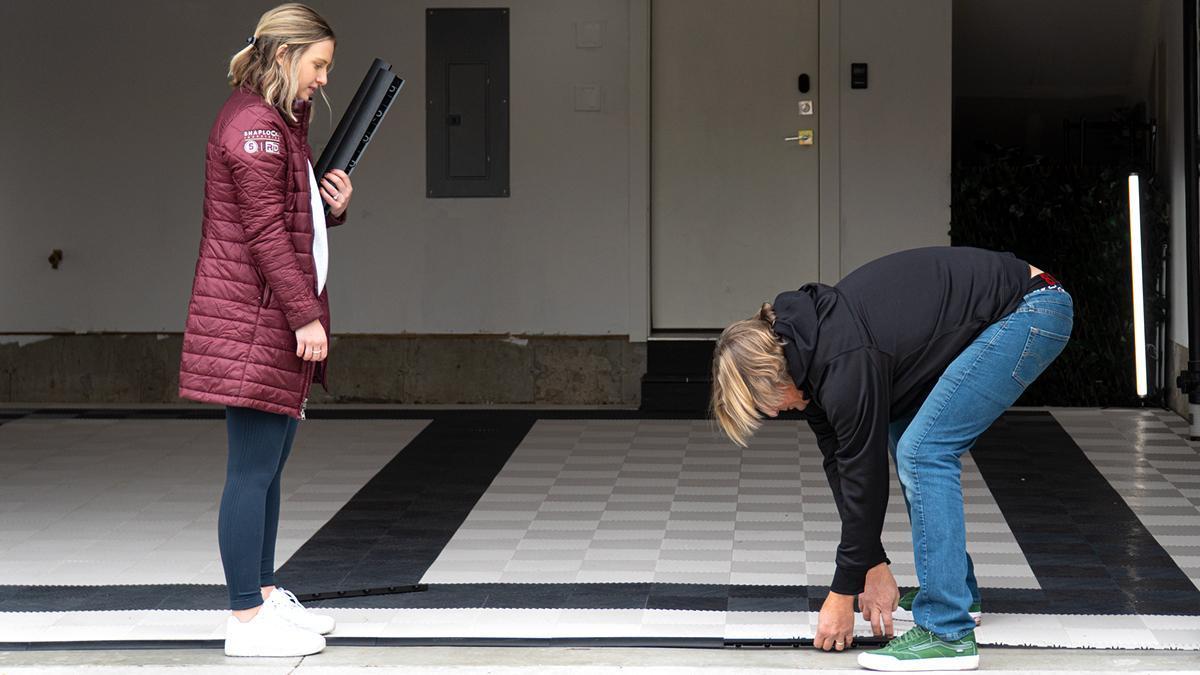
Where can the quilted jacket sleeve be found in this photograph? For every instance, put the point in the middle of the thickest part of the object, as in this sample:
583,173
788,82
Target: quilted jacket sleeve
259,170
333,221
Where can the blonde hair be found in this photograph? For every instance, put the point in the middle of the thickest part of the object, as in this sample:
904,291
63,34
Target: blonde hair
295,25
748,374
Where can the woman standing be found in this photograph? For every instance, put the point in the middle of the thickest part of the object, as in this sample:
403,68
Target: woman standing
258,320
917,353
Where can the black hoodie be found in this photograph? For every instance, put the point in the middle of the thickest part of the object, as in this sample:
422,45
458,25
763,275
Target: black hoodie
868,351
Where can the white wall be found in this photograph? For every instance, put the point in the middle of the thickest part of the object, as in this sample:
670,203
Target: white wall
103,138
894,136
104,147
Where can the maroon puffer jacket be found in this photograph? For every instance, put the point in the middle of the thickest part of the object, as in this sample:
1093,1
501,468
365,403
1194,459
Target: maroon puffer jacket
255,280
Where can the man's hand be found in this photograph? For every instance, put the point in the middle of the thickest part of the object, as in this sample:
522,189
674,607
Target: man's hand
835,624
880,597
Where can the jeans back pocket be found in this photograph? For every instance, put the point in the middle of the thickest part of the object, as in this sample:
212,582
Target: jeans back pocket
1041,348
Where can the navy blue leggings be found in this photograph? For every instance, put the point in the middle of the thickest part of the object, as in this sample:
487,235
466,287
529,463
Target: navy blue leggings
259,443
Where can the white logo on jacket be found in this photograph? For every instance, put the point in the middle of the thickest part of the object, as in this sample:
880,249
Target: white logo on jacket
251,147
271,147
260,134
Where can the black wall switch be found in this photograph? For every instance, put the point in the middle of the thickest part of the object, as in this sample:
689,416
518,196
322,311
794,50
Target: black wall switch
858,76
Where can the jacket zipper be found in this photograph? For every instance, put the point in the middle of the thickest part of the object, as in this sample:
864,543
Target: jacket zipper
308,375
308,365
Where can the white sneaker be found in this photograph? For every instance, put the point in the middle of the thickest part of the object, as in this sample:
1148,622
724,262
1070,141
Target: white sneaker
288,607
269,634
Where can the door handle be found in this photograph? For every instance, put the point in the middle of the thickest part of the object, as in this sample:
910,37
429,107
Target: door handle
802,137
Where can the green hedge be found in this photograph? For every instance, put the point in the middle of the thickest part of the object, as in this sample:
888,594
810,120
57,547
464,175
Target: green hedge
1071,221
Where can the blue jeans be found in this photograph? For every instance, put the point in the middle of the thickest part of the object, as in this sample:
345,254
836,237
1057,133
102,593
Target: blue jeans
895,431
976,388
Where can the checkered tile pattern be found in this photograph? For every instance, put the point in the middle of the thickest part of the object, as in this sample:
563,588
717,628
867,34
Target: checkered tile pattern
602,501
96,502
132,501
1147,456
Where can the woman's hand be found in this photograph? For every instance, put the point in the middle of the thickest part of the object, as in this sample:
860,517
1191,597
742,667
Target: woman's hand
336,191
311,343
835,623
880,597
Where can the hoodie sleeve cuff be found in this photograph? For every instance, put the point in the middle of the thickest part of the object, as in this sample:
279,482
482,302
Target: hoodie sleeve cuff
851,582
848,582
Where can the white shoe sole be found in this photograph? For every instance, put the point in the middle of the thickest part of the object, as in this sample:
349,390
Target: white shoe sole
894,665
906,616
258,651
279,651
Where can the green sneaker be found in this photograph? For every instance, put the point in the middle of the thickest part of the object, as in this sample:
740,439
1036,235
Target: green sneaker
904,613
919,650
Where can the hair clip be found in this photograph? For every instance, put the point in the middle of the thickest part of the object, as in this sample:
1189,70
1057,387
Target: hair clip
251,40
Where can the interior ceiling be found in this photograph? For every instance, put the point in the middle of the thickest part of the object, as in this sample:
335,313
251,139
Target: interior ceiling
1054,48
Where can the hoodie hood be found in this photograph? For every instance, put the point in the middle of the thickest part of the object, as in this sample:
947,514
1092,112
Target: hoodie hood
798,317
